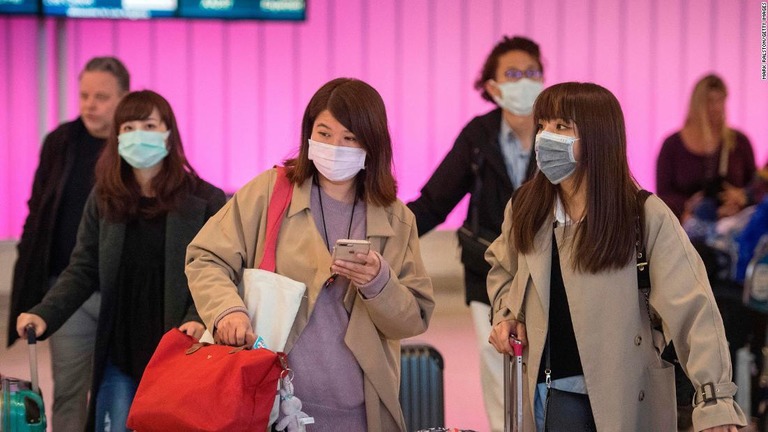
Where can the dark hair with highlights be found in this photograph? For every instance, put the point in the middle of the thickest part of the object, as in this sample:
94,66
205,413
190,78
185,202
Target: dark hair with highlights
116,187
605,239
504,46
358,107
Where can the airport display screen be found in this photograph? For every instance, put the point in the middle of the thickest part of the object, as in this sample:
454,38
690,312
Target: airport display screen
266,10
283,10
118,9
19,7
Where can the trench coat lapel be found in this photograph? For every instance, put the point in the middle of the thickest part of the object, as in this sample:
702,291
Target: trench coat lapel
298,214
540,264
362,338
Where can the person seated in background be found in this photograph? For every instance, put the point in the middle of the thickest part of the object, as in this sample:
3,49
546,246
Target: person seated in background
354,313
754,192
63,180
564,280
489,160
147,205
703,169
748,239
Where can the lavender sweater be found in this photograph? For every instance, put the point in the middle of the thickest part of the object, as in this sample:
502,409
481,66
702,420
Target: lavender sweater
328,379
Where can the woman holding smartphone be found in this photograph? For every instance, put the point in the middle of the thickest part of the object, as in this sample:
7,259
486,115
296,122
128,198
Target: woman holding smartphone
344,345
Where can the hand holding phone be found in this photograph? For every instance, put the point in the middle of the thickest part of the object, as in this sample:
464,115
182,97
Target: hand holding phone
347,250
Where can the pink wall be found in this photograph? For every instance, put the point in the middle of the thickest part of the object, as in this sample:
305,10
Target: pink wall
239,88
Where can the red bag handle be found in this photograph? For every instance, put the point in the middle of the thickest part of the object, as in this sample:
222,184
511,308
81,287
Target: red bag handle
278,205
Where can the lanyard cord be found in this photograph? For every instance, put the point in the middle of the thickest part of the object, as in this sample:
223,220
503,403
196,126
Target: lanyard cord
322,214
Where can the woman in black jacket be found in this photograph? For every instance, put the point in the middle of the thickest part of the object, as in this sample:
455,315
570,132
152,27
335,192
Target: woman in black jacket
490,159
147,205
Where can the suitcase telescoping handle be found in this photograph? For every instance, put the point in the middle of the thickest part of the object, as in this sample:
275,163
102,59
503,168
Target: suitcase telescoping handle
32,342
513,415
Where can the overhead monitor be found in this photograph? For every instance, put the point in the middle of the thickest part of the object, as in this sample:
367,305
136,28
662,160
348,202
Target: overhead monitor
120,9
19,7
282,10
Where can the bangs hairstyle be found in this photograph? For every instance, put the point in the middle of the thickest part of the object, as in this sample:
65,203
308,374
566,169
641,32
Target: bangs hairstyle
117,190
605,238
358,107
504,46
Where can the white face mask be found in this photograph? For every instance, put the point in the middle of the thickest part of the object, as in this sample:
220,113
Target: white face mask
336,163
517,97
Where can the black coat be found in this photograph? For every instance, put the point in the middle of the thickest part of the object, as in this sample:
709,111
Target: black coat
95,263
477,143
31,271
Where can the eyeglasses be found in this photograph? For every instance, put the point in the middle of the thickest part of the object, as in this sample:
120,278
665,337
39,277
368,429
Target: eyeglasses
516,74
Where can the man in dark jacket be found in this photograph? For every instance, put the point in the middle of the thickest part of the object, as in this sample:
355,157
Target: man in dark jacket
489,160
63,180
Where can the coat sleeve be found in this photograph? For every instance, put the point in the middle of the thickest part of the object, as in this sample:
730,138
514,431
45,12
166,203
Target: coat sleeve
41,181
214,202
449,183
682,297
502,256
665,175
81,277
218,254
404,306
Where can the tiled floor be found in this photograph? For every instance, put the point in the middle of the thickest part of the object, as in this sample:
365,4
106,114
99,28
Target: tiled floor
451,332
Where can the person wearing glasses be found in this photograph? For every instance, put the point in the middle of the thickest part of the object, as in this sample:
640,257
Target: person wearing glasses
489,160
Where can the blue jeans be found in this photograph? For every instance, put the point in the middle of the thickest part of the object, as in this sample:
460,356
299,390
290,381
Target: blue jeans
575,384
114,400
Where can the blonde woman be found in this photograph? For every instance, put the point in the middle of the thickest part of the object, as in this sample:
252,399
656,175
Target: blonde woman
706,159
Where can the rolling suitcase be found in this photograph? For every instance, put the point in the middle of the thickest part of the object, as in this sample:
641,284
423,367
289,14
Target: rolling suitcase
513,388
21,406
421,387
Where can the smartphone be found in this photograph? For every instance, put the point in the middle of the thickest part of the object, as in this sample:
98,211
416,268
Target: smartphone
347,249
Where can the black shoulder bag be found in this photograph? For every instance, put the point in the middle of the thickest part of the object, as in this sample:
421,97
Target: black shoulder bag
473,244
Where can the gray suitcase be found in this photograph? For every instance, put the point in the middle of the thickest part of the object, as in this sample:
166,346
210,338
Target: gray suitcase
421,387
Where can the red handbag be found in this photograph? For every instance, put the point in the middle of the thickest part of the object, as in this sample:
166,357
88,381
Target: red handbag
189,386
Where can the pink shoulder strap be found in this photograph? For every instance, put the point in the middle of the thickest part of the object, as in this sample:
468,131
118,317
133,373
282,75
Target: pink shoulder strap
278,205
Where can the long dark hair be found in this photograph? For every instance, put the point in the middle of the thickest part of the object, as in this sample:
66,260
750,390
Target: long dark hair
358,107
117,190
605,239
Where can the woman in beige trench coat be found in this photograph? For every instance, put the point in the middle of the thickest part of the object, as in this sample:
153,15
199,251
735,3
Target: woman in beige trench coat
344,346
601,340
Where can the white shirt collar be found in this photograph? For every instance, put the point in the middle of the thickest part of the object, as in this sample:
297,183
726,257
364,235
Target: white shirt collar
561,216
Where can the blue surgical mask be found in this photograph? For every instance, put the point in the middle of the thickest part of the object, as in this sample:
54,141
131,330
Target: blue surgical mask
142,149
554,156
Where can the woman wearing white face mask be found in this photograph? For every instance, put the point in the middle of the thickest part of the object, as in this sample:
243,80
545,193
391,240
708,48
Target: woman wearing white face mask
147,205
577,244
344,345
489,160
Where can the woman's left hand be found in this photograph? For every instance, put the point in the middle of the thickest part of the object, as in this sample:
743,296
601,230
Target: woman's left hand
192,328
724,428
359,273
